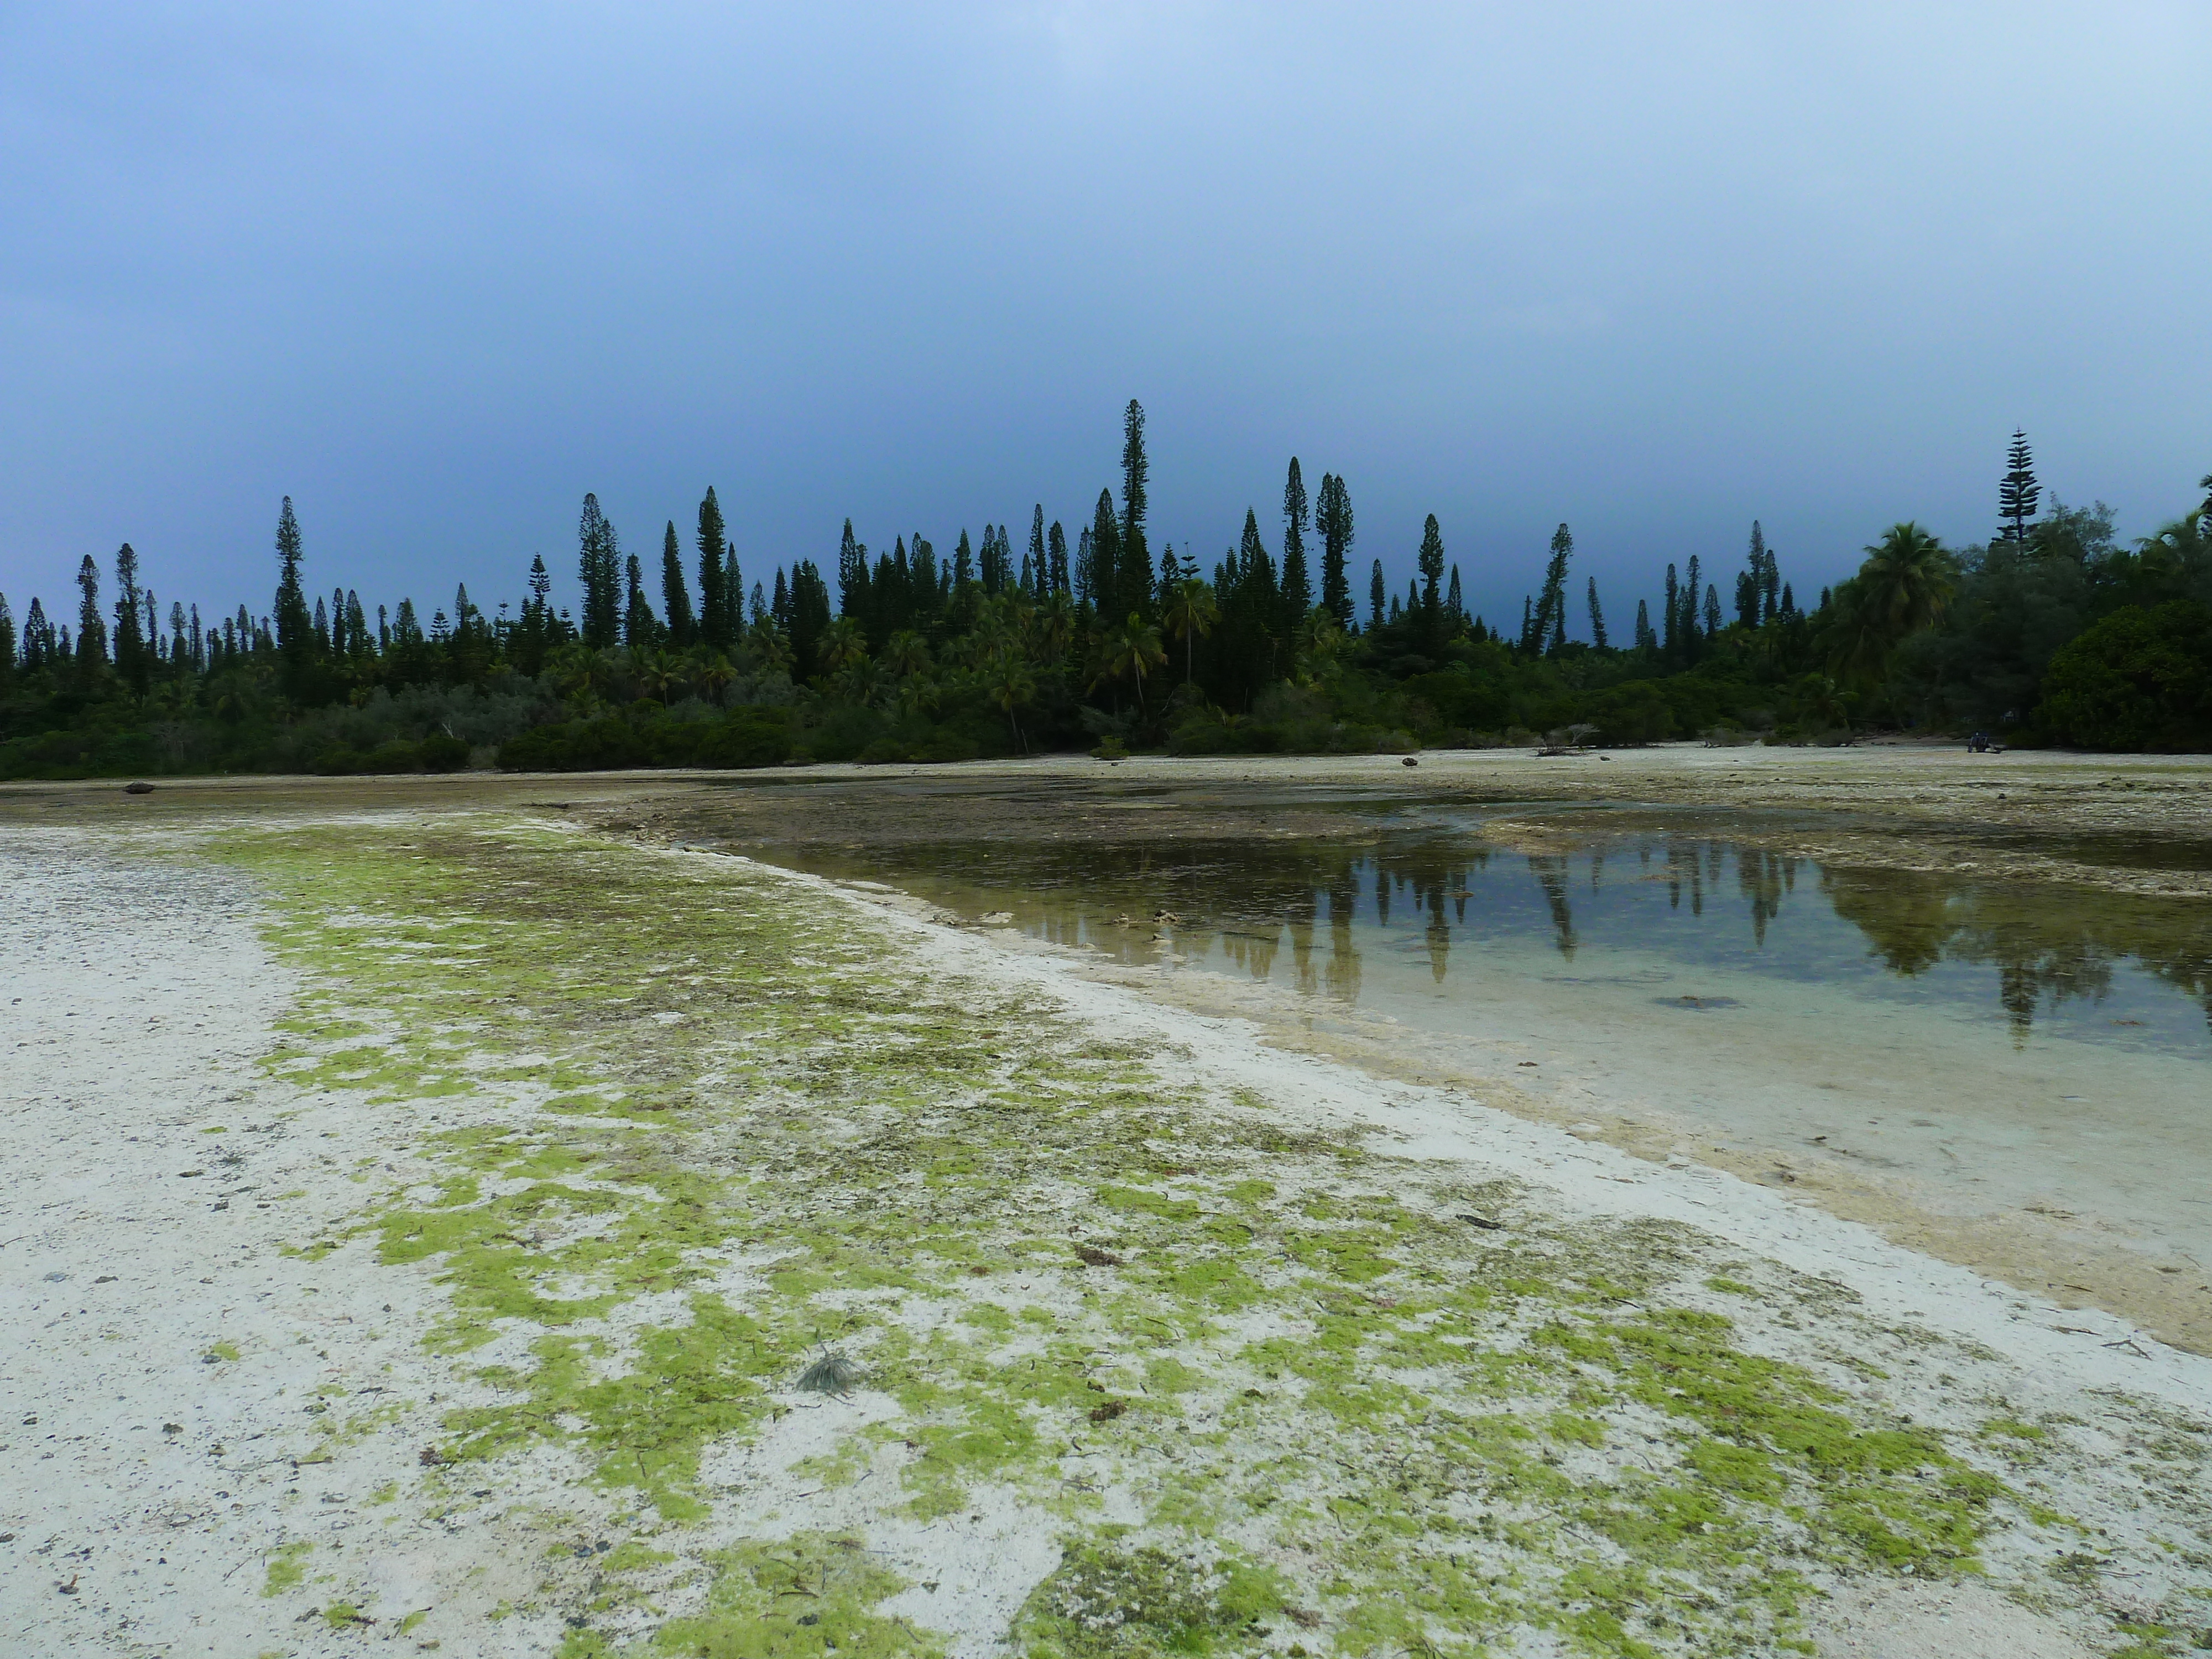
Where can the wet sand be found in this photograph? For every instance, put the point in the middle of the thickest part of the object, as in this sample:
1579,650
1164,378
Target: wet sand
1981,1190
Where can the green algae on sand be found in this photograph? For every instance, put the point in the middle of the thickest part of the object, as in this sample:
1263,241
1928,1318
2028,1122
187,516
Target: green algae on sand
682,1121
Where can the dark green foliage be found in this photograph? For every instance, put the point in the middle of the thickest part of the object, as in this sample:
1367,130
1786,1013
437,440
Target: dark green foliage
2140,679
2058,634
746,737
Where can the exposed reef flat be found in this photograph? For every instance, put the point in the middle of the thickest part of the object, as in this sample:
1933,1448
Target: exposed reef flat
535,1169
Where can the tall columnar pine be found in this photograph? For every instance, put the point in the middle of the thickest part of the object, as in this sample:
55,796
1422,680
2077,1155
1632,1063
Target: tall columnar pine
1671,609
1551,620
1377,591
1133,560
641,629
1596,617
1431,563
598,566
1646,640
716,604
1056,556
852,575
295,627
1105,558
2018,492
676,592
131,653
1712,611
1297,586
1687,633
964,575
1040,561
1455,603
91,631
734,593
1751,584
1333,523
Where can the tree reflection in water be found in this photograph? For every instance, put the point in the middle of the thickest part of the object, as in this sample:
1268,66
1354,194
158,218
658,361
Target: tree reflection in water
1247,899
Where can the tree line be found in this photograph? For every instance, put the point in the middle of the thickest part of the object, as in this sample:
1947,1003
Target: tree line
2049,631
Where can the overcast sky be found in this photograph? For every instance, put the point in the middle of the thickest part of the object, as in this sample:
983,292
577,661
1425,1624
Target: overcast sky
436,270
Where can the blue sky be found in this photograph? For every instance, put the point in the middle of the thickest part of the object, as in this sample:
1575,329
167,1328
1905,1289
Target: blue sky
434,271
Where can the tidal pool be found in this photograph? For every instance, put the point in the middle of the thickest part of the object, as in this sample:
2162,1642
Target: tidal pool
1983,1047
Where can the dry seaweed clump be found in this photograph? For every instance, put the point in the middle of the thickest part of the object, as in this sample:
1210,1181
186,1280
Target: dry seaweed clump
699,1150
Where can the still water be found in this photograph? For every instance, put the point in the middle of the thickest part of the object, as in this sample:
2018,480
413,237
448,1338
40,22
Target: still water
1996,1046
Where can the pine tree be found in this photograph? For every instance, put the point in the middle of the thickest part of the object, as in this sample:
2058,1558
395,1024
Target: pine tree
1751,585
1645,638
91,632
2018,492
1672,611
131,653
1297,586
1712,611
676,591
714,599
1455,603
852,575
1376,592
598,566
1333,523
1550,618
1688,632
1596,617
295,638
1133,561
733,595
1040,565
1431,563
641,629
1056,556
1106,560
7,640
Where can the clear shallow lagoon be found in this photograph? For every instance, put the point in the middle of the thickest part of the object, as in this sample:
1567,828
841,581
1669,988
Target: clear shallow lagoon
1991,1046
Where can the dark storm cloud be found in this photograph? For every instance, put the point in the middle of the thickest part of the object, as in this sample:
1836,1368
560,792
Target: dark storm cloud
435,271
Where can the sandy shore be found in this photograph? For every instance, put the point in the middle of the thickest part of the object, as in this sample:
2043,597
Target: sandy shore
520,1210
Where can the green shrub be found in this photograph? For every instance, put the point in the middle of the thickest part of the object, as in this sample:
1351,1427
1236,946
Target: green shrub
2140,679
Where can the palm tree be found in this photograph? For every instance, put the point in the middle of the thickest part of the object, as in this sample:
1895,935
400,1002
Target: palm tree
842,644
765,642
716,674
1191,612
1902,587
2178,549
1319,639
1907,579
906,653
1010,684
660,674
1131,649
1056,625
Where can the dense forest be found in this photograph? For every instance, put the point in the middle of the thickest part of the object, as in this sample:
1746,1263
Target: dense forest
2049,633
